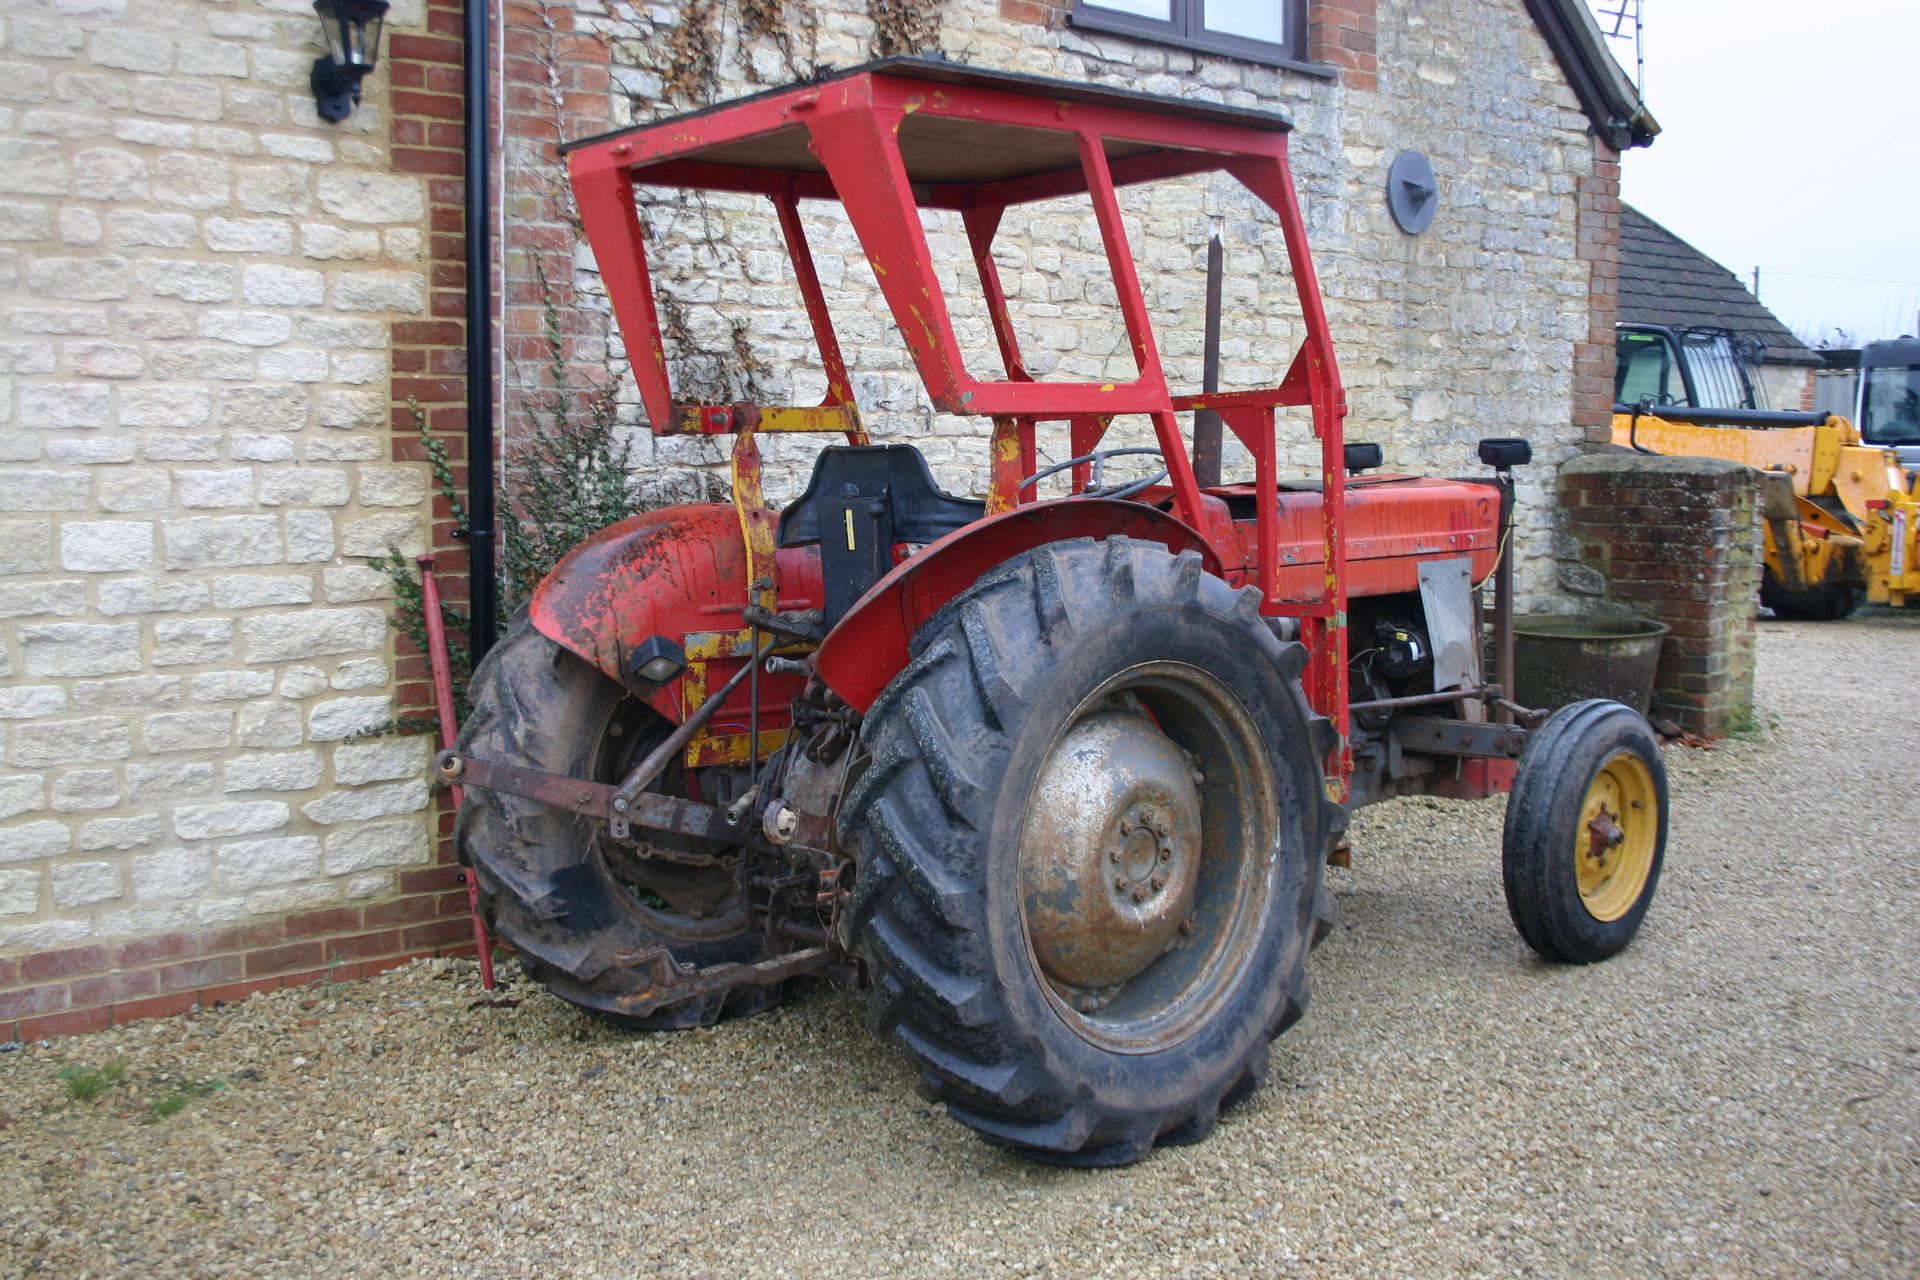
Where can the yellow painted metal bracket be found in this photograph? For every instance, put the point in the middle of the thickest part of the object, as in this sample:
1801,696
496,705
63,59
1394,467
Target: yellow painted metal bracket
718,419
720,743
756,519
1004,473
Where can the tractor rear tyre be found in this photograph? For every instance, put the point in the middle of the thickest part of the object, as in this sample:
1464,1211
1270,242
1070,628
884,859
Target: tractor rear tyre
1091,839
1586,832
555,885
1829,602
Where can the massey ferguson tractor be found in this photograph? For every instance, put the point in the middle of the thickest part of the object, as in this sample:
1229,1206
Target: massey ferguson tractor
1055,778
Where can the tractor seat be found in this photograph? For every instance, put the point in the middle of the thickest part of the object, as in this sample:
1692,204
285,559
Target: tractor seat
861,502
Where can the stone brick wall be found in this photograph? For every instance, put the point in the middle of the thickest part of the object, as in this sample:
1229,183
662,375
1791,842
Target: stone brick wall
1476,328
1674,540
199,288
1788,386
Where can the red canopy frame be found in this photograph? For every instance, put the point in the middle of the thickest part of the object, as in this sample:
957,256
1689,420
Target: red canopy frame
891,138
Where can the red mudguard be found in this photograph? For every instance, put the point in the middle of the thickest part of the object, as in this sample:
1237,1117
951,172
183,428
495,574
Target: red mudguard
676,572
867,650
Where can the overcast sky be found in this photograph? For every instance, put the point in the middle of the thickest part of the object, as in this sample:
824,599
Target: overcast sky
1791,142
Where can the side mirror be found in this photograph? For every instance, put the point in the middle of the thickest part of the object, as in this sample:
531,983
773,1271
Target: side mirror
1503,453
1363,457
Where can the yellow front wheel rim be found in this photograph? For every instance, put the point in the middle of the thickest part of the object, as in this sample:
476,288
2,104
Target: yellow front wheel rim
1618,832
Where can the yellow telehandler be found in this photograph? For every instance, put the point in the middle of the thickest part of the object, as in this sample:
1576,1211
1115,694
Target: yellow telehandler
1841,517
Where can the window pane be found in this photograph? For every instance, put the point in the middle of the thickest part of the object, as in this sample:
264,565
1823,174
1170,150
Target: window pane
1716,371
1891,409
1161,12
1251,19
1645,371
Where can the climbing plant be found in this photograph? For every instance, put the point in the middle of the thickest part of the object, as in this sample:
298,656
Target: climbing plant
904,26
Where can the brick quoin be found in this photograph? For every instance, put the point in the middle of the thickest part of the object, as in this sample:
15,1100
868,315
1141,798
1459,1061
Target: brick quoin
429,387
1598,245
1344,33
556,88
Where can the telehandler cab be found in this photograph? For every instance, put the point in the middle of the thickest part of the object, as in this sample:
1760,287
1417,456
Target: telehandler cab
1840,517
1057,780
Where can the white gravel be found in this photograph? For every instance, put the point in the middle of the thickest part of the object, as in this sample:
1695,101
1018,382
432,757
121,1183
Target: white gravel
1735,1095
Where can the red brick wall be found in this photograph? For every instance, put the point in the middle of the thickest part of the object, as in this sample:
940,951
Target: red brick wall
91,987
1050,13
1673,539
557,86
1598,225
429,354
1343,33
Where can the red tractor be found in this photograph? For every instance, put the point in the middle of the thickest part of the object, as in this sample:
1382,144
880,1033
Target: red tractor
1056,779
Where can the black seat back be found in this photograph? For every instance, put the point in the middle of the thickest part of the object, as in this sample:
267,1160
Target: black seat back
861,502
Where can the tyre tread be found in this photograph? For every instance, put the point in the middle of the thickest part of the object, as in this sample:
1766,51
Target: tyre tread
916,902
531,863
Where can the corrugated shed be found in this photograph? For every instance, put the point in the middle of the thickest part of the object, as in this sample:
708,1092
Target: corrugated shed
1665,280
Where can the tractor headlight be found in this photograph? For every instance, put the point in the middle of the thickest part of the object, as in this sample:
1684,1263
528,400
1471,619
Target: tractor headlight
657,660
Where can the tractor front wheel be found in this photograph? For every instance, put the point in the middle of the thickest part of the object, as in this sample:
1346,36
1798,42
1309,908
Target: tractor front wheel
1091,839
1586,832
572,900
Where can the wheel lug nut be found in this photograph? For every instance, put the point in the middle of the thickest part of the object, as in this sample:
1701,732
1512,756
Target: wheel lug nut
1166,854
1186,926
1113,855
1120,882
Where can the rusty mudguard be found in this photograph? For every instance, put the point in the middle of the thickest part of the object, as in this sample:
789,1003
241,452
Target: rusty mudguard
677,572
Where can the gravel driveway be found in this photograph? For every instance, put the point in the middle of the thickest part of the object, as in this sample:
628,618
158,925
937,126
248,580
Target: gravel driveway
1737,1094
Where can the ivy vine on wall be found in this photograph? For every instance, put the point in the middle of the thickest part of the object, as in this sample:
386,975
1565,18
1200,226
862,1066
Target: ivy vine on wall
904,26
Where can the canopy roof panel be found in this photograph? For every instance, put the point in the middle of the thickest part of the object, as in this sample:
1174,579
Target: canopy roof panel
939,148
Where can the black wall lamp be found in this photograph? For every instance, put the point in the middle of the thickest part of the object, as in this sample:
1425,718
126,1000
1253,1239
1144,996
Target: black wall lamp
352,28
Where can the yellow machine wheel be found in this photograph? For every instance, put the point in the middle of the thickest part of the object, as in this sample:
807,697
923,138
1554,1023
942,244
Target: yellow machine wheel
1828,602
1586,832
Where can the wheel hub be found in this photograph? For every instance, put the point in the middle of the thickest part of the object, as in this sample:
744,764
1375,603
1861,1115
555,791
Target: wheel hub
1110,855
1615,843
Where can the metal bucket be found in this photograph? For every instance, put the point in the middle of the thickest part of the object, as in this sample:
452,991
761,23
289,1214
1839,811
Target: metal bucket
1559,659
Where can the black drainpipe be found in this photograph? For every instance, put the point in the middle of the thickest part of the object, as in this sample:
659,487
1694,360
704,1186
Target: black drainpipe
480,517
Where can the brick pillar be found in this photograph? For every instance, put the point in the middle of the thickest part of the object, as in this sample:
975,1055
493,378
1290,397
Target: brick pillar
1597,226
1675,540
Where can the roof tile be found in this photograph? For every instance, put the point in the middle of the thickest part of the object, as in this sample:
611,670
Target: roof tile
1665,280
